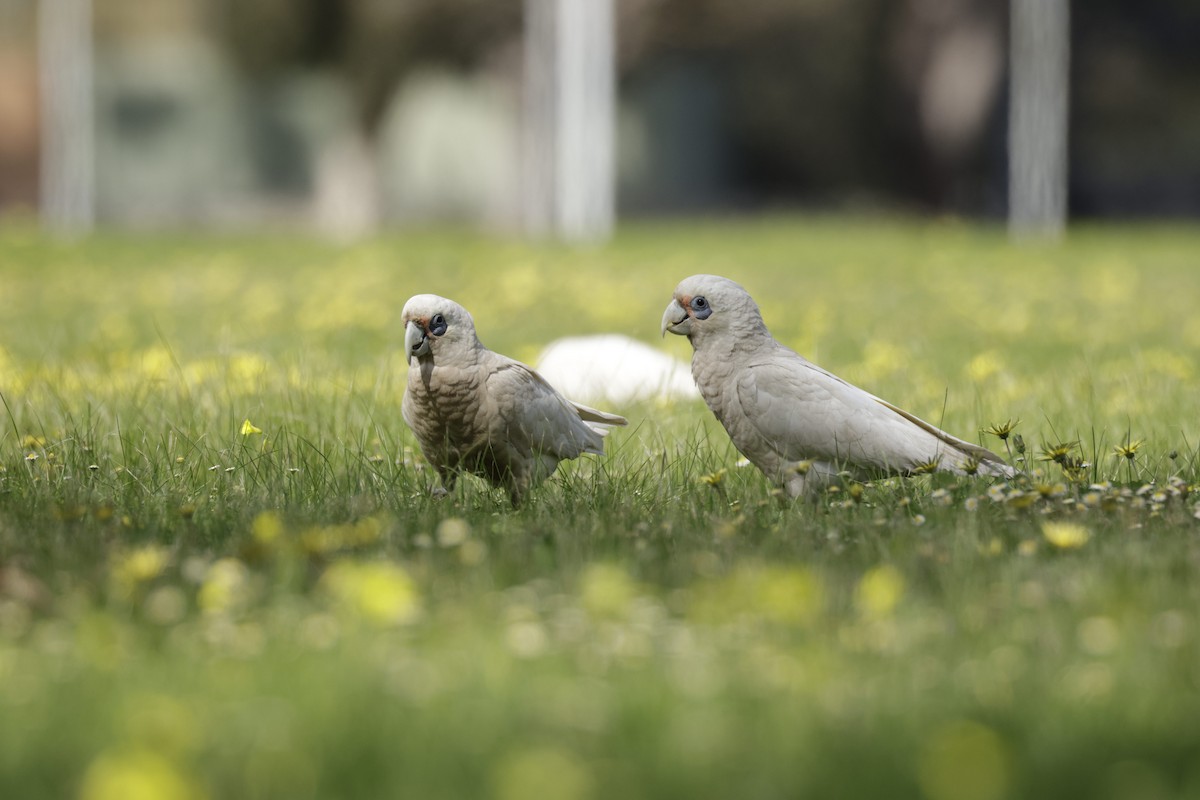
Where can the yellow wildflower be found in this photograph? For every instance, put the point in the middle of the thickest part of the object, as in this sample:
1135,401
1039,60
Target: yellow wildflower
1003,430
225,587
879,591
380,592
1059,453
267,527
139,773
139,566
606,590
1066,535
1127,450
926,467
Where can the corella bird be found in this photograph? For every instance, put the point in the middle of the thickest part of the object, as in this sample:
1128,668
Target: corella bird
479,412
793,420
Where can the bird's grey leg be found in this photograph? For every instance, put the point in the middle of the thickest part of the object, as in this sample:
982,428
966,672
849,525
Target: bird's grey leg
807,479
796,485
518,487
448,478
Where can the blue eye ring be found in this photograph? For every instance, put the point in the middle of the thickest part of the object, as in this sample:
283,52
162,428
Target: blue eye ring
437,325
701,307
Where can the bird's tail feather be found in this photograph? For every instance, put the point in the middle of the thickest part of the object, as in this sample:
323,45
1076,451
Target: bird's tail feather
591,415
600,430
989,462
992,467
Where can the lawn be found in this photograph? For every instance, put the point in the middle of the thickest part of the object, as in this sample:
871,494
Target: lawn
222,575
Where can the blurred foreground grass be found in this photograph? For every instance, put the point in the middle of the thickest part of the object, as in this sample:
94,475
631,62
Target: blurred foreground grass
192,607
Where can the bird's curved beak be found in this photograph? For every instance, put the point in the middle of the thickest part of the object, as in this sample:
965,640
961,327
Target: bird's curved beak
416,343
676,320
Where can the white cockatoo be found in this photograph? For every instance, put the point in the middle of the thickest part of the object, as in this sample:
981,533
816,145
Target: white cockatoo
793,420
479,412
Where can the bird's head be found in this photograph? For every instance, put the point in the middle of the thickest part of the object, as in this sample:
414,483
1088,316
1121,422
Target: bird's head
709,305
436,327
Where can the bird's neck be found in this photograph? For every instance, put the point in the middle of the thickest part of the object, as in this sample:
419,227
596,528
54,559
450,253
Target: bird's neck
447,368
729,347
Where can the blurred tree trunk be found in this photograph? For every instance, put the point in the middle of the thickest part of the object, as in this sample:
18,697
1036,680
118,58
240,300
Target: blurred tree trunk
347,198
569,190
68,148
1037,127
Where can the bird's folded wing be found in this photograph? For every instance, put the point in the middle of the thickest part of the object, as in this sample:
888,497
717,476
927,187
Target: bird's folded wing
534,416
805,412
982,454
800,412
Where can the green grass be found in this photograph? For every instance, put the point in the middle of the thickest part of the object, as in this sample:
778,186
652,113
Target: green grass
190,611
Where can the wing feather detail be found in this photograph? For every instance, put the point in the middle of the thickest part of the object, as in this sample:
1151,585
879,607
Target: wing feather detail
535,417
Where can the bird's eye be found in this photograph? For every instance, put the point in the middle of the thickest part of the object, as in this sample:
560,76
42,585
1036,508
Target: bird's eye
437,325
701,307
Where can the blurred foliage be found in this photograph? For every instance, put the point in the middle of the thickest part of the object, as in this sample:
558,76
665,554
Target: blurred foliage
815,100
373,44
865,103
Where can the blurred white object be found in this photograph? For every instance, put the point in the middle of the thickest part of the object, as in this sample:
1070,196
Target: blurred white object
614,368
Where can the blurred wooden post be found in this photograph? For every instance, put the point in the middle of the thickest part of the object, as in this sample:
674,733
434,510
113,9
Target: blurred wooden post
538,119
67,151
569,119
1037,124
